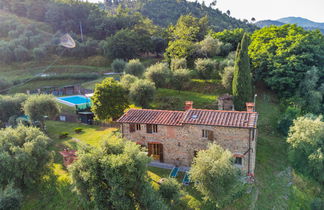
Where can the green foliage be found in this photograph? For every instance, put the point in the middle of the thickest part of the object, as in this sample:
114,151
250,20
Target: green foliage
167,12
227,77
306,140
25,155
158,73
210,47
232,37
39,54
114,176
170,190
286,121
181,49
206,68
10,198
11,106
142,93
134,67
37,107
21,54
215,175
242,81
118,65
317,204
312,97
179,63
109,100
127,80
281,55
180,78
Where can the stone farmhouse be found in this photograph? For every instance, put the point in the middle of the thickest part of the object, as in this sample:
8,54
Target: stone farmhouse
175,137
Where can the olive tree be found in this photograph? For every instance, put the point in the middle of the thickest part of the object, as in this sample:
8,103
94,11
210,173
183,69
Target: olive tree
24,154
142,92
180,78
134,67
114,176
215,175
159,74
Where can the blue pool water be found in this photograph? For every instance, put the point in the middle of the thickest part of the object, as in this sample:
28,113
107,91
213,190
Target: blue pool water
75,100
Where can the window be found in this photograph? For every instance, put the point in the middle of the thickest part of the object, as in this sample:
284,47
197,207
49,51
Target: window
208,134
131,128
151,128
138,127
238,161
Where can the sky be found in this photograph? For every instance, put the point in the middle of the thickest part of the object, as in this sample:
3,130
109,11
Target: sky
271,9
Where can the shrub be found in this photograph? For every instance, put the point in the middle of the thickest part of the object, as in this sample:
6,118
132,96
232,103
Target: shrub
180,78
39,53
134,67
63,135
170,190
206,68
127,80
317,204
159,74
78,130
178,63
4,84
227,77
210,47
118,65
142,93
10,198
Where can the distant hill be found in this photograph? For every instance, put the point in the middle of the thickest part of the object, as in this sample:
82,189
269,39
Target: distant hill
264,23
166,12
303,22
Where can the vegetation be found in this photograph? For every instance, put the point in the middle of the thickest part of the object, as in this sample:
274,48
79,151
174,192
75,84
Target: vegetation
109,100
180,78
10,198
206,68
134,67
11,106
118,65
159,74
306,146
242,81
170,190
214,175
142,93
25,156
119,160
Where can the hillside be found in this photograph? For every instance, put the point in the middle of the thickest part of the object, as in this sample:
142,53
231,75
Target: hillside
303,22
166,12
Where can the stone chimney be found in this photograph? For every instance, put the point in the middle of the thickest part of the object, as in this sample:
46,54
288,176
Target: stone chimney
188,105
250,107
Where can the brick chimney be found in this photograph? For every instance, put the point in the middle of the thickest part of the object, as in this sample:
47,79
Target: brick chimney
250,107
188,105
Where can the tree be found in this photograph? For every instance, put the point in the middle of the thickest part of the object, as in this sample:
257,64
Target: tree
124,45
242,81
142,93
39,53
286,120
215,175
38,107
180,63
234,37
21,54
134,67
25,156
180,77
206,68
159,74
253,19
281,55
114,176
312,97
170,190
118,65
227,77
10,198
109,100
11,106
306,150
210,47
127,80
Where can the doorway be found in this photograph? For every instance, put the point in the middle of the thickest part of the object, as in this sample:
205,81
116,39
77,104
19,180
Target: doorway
156,151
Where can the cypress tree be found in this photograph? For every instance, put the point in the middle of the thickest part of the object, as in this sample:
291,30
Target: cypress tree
242,81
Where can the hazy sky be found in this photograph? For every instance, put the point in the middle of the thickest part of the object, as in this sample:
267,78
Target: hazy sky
271,9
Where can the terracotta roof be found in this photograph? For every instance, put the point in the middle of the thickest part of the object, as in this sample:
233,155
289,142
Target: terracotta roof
150,116
191,116
220,118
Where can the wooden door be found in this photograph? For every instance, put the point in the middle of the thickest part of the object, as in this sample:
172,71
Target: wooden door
156,151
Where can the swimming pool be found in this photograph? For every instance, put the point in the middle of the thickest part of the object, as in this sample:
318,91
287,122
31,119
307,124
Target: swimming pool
73,100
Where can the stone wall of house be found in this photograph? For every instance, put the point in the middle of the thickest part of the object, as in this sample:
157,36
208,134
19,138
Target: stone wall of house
181,142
